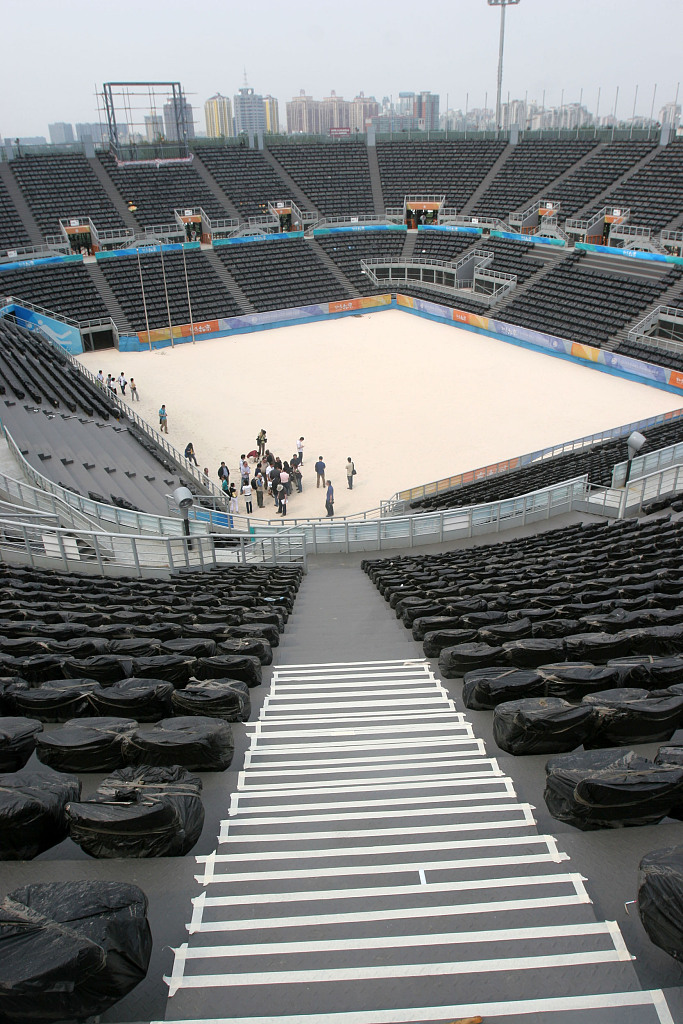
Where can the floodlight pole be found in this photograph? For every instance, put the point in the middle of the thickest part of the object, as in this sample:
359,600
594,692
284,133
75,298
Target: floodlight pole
502,4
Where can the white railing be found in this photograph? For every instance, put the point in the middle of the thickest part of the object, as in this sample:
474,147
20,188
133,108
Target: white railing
639,332
644,465
510,465
110,553
637,492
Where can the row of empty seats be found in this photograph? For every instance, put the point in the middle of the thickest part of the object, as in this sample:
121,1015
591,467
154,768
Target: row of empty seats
597,461
452,169
335,177
64,186
279,275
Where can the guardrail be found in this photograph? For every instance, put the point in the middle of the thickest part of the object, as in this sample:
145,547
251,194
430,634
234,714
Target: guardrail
638,333
644,465
457,480
647,488
112,553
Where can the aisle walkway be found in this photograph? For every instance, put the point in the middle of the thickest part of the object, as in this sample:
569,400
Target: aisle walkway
374,865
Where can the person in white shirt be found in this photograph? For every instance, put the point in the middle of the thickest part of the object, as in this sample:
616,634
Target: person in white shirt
246,491
122,382
300,451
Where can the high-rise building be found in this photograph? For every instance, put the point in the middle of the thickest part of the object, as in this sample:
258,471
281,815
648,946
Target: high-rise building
218,115
92,130
362,109
426,108
170,119
61,133
154,127
250,111
272,115
334,113
303,115
670,115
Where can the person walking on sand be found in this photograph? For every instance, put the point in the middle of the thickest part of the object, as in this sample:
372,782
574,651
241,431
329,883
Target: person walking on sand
261,442
300,451
134,396
163,419
320,471
329,500
350,473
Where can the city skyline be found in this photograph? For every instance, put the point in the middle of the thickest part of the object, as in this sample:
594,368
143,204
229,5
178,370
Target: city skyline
622,43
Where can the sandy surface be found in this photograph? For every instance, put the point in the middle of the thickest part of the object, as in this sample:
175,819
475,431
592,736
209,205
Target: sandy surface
408,399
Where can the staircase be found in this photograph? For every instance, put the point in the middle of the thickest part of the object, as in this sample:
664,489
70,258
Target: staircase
547,191
552,258
210,181
673,296
15,193
115,196
231,285
305,204
376,182
373,854
484,184
123,324
409,245
334,269
599,201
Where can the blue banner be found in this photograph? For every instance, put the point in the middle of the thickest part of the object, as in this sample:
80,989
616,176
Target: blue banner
6,309
146,250
635,254
40,261
536,239
280,236
65,335
358,227
461,229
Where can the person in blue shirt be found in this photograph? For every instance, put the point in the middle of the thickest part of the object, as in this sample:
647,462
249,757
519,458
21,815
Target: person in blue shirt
329,500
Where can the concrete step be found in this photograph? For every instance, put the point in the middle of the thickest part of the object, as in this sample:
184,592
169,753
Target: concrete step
376,182
113,193
293,191
333,268
230,283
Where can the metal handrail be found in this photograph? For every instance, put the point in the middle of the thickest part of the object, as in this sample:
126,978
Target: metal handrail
519,461
638,331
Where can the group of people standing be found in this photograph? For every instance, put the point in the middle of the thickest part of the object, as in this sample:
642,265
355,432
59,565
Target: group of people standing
269,476
110,384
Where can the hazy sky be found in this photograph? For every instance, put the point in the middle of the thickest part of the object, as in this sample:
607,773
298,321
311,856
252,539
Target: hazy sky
57,53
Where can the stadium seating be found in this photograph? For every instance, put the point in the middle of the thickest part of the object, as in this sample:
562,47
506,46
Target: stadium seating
62,186
65,289
277,275
596,174
336,177
453,169
653,194
347,250
157,191
13,233
209,297
597,461
531,167
248,180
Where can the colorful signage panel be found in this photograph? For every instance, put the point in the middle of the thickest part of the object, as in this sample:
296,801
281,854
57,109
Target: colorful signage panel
366,302
317,232
473,319
460,228
635,254
536,239
146,250
66,336
280,236
40,261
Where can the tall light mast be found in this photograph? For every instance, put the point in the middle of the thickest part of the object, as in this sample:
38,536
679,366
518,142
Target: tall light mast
502,4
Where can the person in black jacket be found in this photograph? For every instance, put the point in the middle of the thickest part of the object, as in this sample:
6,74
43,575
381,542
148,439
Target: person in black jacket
223,472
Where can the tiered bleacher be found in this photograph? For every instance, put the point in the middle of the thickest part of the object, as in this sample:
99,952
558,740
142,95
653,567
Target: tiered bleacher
453,169
670,357
586,305
530,168
596,461
347,250
245,176
446,245
13,234
597,174
336,177
278,275
653,194
67,289
157,191
208,295
64,186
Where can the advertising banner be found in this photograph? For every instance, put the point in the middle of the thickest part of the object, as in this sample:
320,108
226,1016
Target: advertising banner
65,335
536,239
40,261
343,229
647,371
366,302
676,379
461,229
635,254
473,319
146,250
281,236
585,352
205,327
